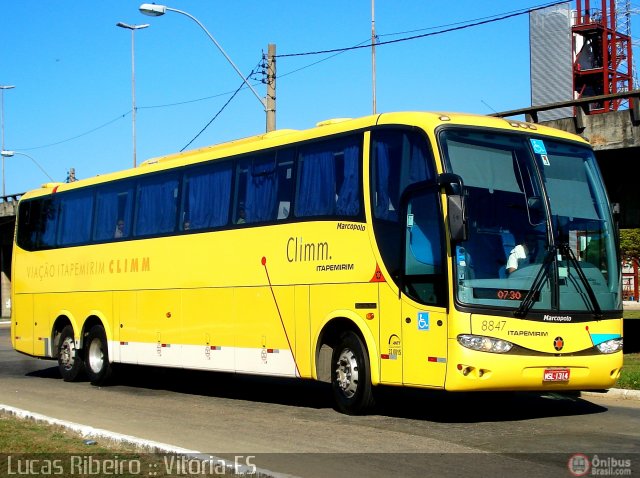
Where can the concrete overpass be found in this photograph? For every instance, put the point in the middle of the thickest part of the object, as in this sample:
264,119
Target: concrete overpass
8,209
615,136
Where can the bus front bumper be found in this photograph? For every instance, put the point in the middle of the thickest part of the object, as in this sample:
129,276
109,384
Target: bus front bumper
473,370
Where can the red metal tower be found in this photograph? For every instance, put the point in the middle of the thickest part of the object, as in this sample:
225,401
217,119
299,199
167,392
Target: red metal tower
602,62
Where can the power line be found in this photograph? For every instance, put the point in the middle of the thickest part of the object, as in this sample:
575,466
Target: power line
124,115
242,86
425,35
464,22
368,41
336,52
186,102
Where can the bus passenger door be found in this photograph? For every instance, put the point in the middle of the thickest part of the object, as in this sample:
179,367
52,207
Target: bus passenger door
424,344
424,292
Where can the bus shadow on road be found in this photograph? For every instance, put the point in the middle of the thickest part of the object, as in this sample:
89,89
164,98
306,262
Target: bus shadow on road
473,407
416,404
265,389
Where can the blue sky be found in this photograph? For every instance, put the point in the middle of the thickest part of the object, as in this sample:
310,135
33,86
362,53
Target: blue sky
71,67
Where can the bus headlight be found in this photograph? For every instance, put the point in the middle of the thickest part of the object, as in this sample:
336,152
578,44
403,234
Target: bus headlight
610,346
485,344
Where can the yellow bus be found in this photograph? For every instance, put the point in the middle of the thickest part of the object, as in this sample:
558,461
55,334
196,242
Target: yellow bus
441,251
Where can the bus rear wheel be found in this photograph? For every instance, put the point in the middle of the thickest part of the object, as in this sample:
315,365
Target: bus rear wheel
97,356
351,375
69,358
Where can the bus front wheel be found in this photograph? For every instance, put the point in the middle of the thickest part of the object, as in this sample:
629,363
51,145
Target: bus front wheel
351,375
97,356
69,358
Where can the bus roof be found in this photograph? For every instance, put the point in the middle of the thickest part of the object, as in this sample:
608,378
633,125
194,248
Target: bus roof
429,121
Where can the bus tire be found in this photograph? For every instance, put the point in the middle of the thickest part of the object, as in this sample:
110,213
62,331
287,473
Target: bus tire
97,356
70,362
351,375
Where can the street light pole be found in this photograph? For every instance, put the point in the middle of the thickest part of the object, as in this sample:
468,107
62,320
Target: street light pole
2,88
133,29
11,154
154,10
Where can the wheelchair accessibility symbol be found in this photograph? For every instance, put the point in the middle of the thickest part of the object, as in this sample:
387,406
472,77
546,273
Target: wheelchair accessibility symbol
423,320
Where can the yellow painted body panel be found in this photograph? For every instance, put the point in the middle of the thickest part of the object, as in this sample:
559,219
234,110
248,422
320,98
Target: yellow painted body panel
266,292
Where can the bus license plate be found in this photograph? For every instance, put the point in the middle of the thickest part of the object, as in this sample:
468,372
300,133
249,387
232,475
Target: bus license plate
556,375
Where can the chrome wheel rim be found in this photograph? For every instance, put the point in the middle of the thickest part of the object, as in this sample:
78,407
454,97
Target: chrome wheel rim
96,356
68,353
347,373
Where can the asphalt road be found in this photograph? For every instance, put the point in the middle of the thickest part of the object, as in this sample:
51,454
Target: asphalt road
292,428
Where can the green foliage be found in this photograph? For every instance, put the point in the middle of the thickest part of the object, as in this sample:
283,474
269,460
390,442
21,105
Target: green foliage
630,377
630,243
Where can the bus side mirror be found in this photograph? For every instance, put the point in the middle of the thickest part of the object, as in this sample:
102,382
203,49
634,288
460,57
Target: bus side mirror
457,218
456,210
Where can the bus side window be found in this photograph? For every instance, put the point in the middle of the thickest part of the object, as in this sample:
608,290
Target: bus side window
399,159
207,196
157,204
286,182
264,188
46,236
329,179
76,210
29,224
114,207
424,274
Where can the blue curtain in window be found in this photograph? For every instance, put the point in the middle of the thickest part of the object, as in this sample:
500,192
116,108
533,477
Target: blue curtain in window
76,211
348,203
106,215
418,167
113,204
383,168
262,191
208,198
317,194
156,206
49,223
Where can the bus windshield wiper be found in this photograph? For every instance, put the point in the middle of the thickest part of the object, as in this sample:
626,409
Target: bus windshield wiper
566,251
536,286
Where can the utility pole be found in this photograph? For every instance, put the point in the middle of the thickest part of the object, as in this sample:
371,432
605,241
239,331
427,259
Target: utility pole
270,106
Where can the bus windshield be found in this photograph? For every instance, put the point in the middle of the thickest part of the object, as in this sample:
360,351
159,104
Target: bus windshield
540,232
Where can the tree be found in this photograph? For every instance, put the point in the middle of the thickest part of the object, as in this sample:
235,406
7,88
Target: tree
630,243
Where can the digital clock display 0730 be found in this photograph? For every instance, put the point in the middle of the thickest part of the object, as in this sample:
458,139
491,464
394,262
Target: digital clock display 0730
509,294
502,294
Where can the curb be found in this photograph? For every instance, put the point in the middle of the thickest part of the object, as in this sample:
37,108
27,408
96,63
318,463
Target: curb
89,432
149,446
619,393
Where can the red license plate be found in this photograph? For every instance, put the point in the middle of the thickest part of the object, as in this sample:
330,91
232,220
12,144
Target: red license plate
556,375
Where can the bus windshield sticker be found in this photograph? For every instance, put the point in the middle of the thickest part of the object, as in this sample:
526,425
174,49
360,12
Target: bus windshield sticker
423,320
545,160
460,254
538,146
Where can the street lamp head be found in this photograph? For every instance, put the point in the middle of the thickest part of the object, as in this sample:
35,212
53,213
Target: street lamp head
7,154
131,27
6,87
152,9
